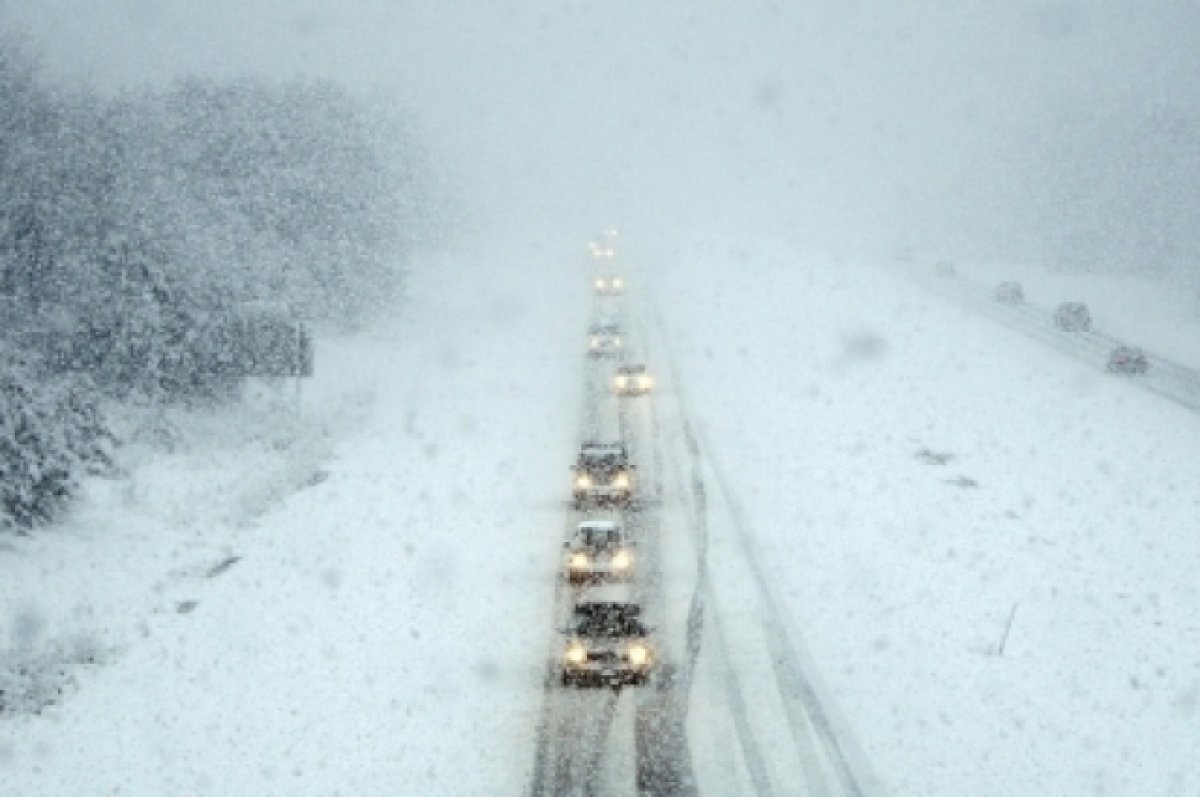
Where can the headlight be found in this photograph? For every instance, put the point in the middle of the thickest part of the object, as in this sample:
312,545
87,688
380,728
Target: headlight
618,283
576,654
644,383
599,285
595,342
621,560
621,382
639,655
583,481
617,343
621,481
579,561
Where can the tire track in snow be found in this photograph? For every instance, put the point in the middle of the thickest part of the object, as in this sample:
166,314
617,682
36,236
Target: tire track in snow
806,714
702,606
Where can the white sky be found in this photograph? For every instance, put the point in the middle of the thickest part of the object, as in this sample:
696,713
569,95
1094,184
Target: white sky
834,121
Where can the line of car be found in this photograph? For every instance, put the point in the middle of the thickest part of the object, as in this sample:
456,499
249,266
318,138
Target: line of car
1068,317
608,643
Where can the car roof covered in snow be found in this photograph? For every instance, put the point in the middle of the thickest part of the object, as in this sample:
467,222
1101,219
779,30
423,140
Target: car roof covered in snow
602,449
598,524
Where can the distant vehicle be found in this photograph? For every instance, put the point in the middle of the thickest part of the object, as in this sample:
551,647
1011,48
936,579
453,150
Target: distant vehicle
1009,293
945,268
1072,316
599,551
603,475
632,380
608,285
608,646
1128,360
604,245
604,339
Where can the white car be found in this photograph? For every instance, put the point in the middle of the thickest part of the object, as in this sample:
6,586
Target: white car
632,380
599,551
604,339
603,476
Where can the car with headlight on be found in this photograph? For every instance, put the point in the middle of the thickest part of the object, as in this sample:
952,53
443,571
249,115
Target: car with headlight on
600,550
632,380
604,339
1128,360
1072,316
607,645
604,245
604,476
608,285
1009,293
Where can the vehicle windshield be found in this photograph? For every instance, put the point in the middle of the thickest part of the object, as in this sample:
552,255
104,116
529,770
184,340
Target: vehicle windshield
600,537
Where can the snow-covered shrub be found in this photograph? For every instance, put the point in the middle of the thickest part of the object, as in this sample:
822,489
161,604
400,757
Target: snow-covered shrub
35,677
51,434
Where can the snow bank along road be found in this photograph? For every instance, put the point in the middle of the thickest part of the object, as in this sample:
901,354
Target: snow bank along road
732,708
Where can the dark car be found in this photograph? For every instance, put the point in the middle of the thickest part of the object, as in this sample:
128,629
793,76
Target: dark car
1009,293
603,475
1128,360
1072,316
608,646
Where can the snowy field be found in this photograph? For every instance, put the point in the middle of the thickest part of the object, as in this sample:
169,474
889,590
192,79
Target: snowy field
915,475
350,592
382,629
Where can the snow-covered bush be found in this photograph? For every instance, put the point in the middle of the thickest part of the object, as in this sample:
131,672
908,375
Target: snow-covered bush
51,434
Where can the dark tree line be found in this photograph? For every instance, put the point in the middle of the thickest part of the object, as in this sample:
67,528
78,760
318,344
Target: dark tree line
133,229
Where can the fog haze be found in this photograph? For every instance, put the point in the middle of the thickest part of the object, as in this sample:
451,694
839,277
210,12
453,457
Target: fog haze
956,128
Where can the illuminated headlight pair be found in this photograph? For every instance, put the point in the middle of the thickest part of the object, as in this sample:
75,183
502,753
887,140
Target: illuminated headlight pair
638,654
